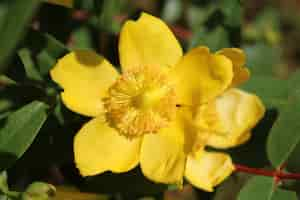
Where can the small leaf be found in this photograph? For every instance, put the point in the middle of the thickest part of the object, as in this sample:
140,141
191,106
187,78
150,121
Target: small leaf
19,130
30,68
3,182
18,14
45,50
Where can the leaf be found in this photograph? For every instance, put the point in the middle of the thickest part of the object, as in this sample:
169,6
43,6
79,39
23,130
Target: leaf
19,130
215,39
232,11
284,195
172,10
3,182
284,96
231,187
17,16
197,16
30,68
82,39
109,10
45,50
263,59
272,91
285,135
263,188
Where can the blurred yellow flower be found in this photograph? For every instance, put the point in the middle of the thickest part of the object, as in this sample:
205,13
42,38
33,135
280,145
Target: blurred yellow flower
67,3
162,110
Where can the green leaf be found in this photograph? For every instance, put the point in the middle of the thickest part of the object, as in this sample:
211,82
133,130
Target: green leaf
232,11
264,188
3,182
197,16
259,187
272,91
17,16
30,68
283,95
109,10
5,80
52,51
230,188
172,10
82,38
263,59
45,51
284,195
19,130
215,39
285,135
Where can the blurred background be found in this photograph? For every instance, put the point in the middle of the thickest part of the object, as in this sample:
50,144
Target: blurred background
268,31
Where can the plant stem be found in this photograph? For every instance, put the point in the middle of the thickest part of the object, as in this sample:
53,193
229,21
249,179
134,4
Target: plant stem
277,174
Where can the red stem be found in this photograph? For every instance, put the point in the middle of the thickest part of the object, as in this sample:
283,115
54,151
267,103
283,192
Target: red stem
277,174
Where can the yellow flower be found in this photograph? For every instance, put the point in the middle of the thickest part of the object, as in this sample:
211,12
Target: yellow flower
67,3
162,110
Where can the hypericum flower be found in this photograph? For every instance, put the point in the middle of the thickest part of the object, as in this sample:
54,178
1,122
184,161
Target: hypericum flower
162,110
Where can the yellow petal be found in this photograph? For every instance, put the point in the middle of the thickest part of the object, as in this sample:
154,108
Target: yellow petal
162,155
238,58
201,76
99,148
67,3
230,118
147,42
85,78
208,169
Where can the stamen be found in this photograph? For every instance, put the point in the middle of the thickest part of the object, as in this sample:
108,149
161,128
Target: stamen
142,101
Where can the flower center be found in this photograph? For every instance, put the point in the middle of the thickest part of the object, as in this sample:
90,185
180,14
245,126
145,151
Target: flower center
141,101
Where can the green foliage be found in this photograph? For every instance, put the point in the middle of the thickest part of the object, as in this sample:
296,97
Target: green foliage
265,189
16,17
19,131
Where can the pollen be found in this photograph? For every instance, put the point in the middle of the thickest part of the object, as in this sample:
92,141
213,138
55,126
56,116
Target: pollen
141,101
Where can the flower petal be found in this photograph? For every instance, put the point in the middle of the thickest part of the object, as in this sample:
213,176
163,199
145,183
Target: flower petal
85,78
238,58
99,148
162,155
208,169
67,3
230,118
201,76
148,42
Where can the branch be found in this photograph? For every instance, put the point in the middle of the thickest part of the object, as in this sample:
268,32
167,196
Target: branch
277,174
